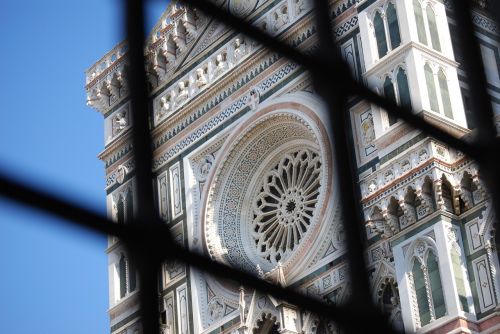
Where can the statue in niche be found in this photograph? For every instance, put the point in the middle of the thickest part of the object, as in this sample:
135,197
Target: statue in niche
165,106
183,92
280,18
201,78
221,64
239,50
205,166
119,122
254,98
300,6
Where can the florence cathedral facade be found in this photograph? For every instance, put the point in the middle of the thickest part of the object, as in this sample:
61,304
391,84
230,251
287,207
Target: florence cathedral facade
243,168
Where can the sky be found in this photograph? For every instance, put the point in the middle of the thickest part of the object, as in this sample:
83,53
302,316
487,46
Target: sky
53,277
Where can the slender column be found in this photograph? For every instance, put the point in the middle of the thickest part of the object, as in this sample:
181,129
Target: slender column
489,254
428,291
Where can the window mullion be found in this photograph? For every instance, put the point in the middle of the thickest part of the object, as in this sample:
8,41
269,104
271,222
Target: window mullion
127,276
386,31
396,88
414,301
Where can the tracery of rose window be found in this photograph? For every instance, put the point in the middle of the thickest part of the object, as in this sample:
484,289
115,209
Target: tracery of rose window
284,206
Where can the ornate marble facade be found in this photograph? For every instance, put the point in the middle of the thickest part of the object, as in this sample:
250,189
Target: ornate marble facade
244,169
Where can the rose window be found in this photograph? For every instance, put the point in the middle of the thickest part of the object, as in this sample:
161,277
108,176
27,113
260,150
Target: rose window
284,206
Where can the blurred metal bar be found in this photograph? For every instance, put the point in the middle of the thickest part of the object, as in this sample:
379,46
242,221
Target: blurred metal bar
54,205
485,136
476,77
153,236
336,100
144,256
150,242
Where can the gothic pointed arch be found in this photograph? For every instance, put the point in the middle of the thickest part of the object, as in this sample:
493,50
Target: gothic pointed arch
431,88
120,210
403,88
433,29
393,25
445,93
426,286
419,18
122,271
378,24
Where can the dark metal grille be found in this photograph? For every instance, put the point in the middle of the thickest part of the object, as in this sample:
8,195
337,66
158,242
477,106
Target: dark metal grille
148,239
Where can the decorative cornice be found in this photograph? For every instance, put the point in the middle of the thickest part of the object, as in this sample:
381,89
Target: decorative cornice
386,61
188,115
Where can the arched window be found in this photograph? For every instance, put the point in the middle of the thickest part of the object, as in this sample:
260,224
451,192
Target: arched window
440,103
386,30
433,30
389,89
403,89
397,91
122,273
388,296
130,206
120,211
127,275
427,285
419,18
445,94
390,94
427,29
392,23
431,88
378,24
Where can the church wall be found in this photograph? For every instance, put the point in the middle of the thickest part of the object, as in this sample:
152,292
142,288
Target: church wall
208,82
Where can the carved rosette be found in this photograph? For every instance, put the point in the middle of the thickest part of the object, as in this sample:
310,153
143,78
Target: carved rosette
285,205
270,192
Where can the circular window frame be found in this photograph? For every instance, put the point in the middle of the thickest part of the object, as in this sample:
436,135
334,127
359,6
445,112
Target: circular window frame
307,111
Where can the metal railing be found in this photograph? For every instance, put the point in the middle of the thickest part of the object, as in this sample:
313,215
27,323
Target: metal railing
148,238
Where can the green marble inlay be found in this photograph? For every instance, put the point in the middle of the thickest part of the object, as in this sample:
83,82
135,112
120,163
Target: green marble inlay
402,148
